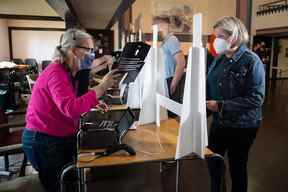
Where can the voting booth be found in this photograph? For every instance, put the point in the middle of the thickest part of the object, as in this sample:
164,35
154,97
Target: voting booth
192,136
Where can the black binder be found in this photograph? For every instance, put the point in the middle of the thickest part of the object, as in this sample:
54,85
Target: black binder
132,59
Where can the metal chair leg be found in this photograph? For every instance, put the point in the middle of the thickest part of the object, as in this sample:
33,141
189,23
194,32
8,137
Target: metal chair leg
23,166
6,162
178,176
64,172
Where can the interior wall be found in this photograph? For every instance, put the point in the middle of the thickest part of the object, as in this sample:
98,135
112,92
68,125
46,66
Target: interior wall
4,45
34,44
25,43
207,7
217,9
274,20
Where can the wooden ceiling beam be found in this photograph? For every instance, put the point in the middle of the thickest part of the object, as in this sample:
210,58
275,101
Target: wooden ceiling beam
124,5
65,9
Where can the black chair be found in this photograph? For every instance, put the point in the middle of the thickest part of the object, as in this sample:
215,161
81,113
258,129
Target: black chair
45,63
7,89
19,79
33,65
17,61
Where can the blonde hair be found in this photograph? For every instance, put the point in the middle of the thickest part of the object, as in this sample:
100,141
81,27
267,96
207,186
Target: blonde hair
70,39
234,27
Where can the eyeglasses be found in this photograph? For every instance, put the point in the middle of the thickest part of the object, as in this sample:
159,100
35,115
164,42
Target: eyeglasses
88,49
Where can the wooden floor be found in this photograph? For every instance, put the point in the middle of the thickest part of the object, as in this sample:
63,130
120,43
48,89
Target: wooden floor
268,170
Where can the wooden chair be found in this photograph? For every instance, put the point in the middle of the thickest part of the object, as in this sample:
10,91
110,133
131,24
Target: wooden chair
10,140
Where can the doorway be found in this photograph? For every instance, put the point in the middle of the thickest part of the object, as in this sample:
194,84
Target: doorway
280,60
265,45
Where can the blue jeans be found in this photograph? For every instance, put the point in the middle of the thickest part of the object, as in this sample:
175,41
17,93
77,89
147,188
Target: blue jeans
48,155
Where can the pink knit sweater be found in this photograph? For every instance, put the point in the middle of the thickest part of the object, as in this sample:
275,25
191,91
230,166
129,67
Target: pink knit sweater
54,108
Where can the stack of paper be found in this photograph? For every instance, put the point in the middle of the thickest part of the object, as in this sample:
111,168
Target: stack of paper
7,64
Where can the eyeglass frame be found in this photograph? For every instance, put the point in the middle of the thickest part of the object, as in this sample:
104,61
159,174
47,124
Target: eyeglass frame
90,50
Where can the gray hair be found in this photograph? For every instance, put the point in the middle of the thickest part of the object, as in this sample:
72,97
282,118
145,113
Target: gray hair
234,27
71,38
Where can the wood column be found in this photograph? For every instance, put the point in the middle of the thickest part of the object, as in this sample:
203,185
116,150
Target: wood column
244,12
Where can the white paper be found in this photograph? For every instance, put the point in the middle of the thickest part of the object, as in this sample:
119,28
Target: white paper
7,64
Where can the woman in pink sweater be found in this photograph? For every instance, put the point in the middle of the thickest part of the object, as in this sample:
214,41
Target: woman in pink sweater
49,140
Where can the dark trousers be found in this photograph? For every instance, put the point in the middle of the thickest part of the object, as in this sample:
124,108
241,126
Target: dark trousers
237,143
48,155
178,94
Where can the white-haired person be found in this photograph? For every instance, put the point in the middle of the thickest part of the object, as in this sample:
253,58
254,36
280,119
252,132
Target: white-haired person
53,113
235,95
